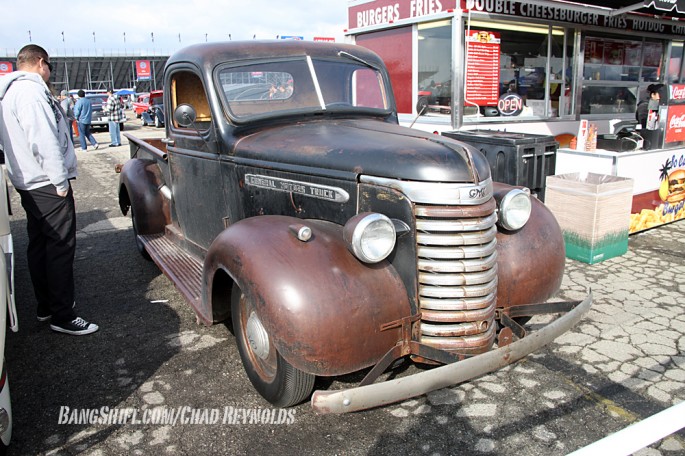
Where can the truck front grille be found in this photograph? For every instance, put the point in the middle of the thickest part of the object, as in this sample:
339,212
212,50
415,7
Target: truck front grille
457,268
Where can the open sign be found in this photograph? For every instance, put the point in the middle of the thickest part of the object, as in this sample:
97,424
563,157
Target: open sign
510,104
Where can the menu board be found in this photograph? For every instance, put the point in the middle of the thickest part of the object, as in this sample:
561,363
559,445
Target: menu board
482,68
652,56
622,52
594,51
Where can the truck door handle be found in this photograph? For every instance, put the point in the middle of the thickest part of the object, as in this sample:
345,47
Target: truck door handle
168,141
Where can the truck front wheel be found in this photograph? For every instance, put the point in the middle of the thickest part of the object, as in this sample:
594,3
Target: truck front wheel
272,376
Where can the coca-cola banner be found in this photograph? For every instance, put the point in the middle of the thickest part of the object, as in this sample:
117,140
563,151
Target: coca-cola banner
675,124
676,93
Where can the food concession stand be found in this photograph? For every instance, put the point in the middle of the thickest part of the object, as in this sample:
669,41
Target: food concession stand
542,67
658,173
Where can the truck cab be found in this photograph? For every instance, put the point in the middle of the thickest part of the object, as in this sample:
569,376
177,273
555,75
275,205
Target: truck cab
285,196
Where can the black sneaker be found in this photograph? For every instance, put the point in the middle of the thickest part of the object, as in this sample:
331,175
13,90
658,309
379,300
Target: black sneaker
76,327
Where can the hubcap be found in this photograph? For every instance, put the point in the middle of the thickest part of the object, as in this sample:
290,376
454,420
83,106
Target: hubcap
257,337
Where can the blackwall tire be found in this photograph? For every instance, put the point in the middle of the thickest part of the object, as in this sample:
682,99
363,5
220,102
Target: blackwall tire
422,105
273,377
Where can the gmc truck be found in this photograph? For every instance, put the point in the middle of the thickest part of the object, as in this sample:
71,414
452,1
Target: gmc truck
285,197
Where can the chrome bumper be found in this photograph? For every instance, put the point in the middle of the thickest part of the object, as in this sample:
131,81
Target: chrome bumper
388,392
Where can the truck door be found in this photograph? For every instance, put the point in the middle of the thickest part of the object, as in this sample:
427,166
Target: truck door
197,188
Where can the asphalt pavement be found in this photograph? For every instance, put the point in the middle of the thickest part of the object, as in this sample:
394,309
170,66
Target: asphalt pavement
153,381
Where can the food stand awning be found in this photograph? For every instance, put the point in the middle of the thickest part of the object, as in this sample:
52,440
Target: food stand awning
661,8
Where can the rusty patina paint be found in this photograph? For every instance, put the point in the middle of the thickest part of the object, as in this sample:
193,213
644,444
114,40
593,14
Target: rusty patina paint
530,261
344,302
142,180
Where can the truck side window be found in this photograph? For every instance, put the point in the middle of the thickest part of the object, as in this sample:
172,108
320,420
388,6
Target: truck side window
187,88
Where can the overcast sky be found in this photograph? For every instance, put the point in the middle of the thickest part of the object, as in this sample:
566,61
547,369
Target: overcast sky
136,22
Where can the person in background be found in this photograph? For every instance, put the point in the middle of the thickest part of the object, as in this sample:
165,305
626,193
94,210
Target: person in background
649,104
41,162
68,108
83,111
115,111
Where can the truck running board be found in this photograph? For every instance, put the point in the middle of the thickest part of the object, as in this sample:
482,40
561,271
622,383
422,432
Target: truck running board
184,270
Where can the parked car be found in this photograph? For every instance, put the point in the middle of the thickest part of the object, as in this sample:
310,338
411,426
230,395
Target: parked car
8,312
154,114
99,119
141,104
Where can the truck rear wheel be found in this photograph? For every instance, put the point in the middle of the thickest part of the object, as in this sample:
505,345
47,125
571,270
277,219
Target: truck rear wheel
272,376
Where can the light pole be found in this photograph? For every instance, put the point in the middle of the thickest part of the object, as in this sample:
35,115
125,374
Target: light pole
205,37
29,36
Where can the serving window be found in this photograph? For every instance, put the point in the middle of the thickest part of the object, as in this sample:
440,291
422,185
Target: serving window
616,70
531,61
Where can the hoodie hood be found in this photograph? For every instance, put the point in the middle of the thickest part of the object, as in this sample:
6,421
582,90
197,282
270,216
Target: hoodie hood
7,80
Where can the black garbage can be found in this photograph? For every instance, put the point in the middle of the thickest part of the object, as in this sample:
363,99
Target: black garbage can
515,158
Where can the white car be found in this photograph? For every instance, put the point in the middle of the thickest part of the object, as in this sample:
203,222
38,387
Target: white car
7,310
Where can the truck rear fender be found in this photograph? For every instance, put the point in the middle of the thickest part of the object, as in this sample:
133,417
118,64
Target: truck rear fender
321,306
530,261
140,184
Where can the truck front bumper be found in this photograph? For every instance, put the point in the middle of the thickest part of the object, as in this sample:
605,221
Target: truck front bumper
388,392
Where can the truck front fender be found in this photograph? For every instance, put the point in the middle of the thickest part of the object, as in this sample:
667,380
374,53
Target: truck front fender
322,307
140,184
530,261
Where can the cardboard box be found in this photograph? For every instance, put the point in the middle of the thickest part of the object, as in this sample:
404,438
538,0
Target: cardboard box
593,211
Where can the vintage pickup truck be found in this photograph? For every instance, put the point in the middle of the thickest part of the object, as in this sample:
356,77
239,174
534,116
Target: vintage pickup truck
286,197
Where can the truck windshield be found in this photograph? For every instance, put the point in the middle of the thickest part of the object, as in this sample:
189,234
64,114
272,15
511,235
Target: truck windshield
303,85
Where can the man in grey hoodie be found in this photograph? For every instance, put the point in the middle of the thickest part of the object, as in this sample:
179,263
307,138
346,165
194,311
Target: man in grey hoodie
41,161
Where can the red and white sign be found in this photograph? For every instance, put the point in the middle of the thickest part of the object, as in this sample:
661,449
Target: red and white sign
676,92
510,104
326,39
482,68
143,70
5,68
381,12
675,124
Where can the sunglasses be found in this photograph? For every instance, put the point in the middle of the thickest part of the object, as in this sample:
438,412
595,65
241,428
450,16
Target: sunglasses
48,64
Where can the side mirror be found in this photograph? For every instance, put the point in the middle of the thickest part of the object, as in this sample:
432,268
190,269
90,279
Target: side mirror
185,115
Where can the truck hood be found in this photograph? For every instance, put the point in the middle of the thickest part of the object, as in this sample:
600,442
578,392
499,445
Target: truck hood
369,147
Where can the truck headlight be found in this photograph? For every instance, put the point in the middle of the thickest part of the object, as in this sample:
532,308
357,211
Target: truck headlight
370,236
514,209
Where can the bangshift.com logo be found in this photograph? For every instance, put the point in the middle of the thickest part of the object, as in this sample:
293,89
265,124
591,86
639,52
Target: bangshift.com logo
171,416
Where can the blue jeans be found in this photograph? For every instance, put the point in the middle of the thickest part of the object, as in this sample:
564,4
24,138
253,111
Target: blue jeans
83,133
115,133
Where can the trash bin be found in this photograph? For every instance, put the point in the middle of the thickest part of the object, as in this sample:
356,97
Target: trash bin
593,211
515,158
